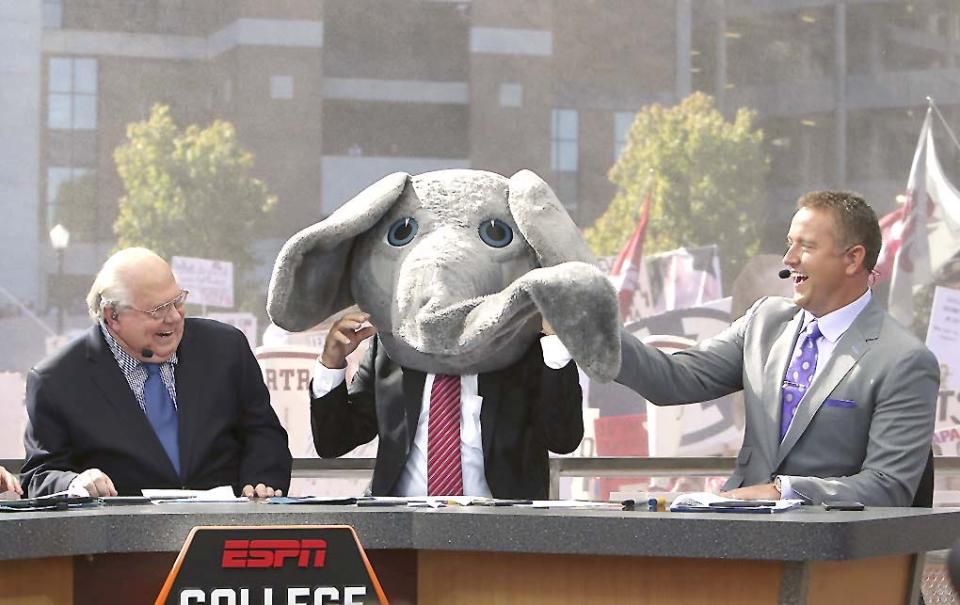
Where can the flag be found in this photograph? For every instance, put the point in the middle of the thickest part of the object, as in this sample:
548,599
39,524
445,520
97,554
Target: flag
930,234
625,273
891,231
683,278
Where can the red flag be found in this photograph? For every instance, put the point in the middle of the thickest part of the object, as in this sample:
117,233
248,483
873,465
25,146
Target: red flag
625,273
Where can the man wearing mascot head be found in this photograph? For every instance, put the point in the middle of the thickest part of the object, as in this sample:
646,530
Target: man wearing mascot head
457,271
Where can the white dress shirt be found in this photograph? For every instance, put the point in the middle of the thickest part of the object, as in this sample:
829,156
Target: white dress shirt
832,326
413,478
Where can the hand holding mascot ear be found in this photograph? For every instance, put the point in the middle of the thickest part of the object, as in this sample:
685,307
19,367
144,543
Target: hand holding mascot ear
344,337
458,270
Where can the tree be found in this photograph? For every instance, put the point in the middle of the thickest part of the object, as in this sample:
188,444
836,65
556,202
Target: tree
76,206
707,178
189,192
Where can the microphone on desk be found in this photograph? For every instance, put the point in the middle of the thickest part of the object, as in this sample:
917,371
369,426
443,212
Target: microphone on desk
784,273
146,353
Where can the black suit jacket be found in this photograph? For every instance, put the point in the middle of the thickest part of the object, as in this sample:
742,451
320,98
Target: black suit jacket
83,414
527,409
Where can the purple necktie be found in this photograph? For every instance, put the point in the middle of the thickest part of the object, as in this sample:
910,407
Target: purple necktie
798,376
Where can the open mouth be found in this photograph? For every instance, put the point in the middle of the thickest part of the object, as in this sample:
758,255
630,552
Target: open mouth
165,334
799,278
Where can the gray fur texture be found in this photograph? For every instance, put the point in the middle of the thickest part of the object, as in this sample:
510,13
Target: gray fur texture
447,302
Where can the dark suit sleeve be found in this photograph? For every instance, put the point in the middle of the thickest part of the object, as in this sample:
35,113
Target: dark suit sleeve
48,467
266,455
558,403
344,419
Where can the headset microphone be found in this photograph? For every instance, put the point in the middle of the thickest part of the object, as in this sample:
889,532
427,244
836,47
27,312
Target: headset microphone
784,273
146,353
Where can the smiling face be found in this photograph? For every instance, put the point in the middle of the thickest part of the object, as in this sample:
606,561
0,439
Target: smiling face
825,276
150,284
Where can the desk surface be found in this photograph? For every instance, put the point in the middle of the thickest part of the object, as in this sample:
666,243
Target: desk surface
808,534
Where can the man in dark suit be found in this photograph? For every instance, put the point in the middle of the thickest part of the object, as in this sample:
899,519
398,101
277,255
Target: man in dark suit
149,399
508,419
840,399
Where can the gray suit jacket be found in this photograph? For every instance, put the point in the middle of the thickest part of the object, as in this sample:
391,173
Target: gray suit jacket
863,430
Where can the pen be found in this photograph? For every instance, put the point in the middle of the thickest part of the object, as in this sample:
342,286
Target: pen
742,503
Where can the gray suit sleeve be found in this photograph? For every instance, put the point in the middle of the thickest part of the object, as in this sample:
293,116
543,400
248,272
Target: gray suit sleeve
899,440
711,369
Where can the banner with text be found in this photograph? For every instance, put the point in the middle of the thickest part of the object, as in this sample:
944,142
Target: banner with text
210,282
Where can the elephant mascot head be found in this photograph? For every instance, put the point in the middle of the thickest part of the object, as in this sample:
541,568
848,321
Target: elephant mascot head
455,268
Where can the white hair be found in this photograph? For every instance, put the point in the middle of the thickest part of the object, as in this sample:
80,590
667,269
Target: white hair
110,288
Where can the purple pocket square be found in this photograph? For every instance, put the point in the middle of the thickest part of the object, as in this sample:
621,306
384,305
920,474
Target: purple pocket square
839,403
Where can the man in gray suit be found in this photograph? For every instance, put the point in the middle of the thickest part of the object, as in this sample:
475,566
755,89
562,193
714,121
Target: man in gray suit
840,399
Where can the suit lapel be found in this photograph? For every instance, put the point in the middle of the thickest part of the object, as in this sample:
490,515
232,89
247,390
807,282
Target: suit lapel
109,379
488,387
412,396
851,346
189,382
776,365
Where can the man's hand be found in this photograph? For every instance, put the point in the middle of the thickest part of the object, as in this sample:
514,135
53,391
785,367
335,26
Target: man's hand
261,491
343,338
9,482
766,491
95,482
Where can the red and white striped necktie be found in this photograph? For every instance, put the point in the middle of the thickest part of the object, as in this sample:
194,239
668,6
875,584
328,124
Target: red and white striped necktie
444,473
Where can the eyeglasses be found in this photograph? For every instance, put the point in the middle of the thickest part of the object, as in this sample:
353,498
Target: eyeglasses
161,311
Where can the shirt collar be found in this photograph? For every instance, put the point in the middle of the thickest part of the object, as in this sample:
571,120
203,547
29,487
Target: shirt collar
834,324
127,362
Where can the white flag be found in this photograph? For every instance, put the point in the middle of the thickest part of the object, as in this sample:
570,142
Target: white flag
931,229
683,278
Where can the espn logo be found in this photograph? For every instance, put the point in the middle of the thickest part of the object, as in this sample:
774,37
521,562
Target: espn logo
273,553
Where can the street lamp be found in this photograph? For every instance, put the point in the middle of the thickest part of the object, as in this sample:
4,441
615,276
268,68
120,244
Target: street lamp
59,239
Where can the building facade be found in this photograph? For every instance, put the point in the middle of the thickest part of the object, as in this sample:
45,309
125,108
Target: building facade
330,95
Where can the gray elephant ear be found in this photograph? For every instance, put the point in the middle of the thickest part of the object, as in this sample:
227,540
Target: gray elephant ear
311,279
544,222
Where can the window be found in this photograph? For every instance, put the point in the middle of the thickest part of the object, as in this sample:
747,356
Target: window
622,121
563,140
71,199
52,14
511,94
72,94
564,151
281,87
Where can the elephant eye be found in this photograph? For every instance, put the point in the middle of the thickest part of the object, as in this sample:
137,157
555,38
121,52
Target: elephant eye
496,233
402,231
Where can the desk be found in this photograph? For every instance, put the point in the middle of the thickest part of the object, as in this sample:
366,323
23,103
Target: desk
467,555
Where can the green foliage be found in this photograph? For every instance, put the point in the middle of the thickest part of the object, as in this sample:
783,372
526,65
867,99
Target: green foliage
189,192
707,178
76,207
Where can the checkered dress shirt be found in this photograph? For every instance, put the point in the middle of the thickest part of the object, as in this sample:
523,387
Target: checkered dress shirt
135,371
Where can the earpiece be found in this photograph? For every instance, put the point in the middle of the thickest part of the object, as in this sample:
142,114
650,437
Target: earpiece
114,315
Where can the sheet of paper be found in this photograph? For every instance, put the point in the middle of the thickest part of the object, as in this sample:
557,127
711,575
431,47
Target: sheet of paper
712,503
224,493
603,505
